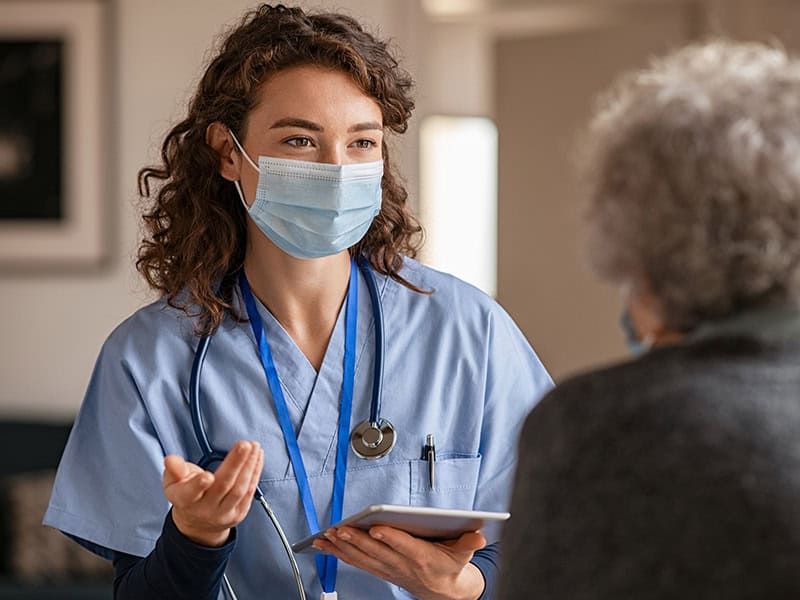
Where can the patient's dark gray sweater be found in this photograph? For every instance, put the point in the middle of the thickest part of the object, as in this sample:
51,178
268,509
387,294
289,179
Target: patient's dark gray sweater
675,476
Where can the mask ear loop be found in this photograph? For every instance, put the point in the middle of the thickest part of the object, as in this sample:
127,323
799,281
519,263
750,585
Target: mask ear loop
648,340
249,160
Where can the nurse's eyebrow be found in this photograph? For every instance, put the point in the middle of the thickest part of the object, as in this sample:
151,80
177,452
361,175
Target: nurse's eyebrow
369,125
311,126
297,122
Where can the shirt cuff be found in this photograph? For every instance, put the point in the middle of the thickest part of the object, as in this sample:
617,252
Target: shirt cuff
487,560
173,538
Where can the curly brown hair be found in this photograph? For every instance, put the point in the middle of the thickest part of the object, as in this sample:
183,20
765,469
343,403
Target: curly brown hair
195,223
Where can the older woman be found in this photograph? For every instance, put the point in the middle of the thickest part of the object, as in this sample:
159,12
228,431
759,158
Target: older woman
677,474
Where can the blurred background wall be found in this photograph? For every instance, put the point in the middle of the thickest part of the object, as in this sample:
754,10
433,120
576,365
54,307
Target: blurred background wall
533,66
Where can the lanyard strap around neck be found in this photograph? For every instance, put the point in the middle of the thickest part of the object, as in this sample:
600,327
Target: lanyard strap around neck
326,565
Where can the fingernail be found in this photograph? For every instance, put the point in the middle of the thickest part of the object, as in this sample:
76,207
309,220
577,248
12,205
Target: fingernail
330,535
244,447
343,535
316,546
376,534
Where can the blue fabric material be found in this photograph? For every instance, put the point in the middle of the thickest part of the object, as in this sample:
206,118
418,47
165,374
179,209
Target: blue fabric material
456,366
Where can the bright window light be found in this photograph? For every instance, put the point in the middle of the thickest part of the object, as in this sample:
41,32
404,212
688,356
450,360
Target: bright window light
458,197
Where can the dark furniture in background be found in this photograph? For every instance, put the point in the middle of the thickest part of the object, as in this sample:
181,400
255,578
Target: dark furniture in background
36,562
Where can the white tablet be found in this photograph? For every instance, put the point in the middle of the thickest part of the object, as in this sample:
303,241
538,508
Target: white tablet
420,521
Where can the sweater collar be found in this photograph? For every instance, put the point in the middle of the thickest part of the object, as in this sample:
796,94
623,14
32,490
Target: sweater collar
773,323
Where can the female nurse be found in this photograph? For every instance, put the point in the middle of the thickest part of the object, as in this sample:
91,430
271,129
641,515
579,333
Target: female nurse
270,191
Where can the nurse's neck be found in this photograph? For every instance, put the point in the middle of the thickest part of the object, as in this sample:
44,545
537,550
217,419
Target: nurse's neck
305,296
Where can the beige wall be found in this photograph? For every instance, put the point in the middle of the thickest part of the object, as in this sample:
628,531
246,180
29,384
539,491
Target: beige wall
569,318
545,86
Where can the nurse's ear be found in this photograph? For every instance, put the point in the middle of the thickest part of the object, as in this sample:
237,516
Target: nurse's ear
230,160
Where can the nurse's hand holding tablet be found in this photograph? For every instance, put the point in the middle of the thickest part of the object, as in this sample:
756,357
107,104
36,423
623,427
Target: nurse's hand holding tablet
427,570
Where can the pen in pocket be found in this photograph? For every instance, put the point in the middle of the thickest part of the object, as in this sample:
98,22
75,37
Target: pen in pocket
429,454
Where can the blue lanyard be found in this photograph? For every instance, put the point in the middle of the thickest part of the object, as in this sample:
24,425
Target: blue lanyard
327,564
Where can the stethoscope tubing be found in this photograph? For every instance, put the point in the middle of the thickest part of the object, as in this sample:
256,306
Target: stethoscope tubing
380,343
210,456
194,404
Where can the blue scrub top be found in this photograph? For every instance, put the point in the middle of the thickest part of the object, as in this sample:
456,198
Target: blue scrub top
456,366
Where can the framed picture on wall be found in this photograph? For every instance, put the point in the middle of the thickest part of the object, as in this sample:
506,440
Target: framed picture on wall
53,154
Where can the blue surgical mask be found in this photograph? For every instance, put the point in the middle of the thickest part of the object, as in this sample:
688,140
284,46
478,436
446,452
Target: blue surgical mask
311,209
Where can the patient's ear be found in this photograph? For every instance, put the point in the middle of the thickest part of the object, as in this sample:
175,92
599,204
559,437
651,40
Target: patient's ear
647,313
230,160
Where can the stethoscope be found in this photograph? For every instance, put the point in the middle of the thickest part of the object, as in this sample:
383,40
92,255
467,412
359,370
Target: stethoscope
372,438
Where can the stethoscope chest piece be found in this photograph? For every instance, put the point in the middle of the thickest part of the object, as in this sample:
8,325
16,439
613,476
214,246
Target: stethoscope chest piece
373,440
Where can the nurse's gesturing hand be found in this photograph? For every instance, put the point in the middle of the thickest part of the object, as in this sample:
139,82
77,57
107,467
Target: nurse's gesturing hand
205,505
427,570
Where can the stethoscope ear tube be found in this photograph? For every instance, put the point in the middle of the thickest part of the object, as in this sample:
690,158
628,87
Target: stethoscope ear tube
194,403
380,343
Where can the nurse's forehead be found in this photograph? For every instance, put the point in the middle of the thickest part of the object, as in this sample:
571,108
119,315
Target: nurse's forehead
314,95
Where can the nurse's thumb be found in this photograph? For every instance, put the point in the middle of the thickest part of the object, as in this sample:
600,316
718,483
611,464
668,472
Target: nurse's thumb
468,542
184,483
175,469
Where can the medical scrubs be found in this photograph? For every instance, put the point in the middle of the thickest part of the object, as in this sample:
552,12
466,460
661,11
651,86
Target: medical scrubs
455,366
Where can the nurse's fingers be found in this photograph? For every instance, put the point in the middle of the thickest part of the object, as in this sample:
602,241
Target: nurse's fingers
356,548
229,472
189,491
240,488
247,499
461,548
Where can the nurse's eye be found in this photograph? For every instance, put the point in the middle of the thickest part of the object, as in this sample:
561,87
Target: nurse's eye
300,142
365,144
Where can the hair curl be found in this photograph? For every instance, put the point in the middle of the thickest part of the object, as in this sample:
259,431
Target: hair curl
693,174
195,224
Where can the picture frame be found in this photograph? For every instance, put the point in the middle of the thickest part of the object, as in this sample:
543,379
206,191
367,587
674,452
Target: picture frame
53,146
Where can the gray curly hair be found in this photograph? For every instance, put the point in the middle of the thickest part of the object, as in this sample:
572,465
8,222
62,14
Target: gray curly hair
693,175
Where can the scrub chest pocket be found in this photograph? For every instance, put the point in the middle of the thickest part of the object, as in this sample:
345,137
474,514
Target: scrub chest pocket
456,481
